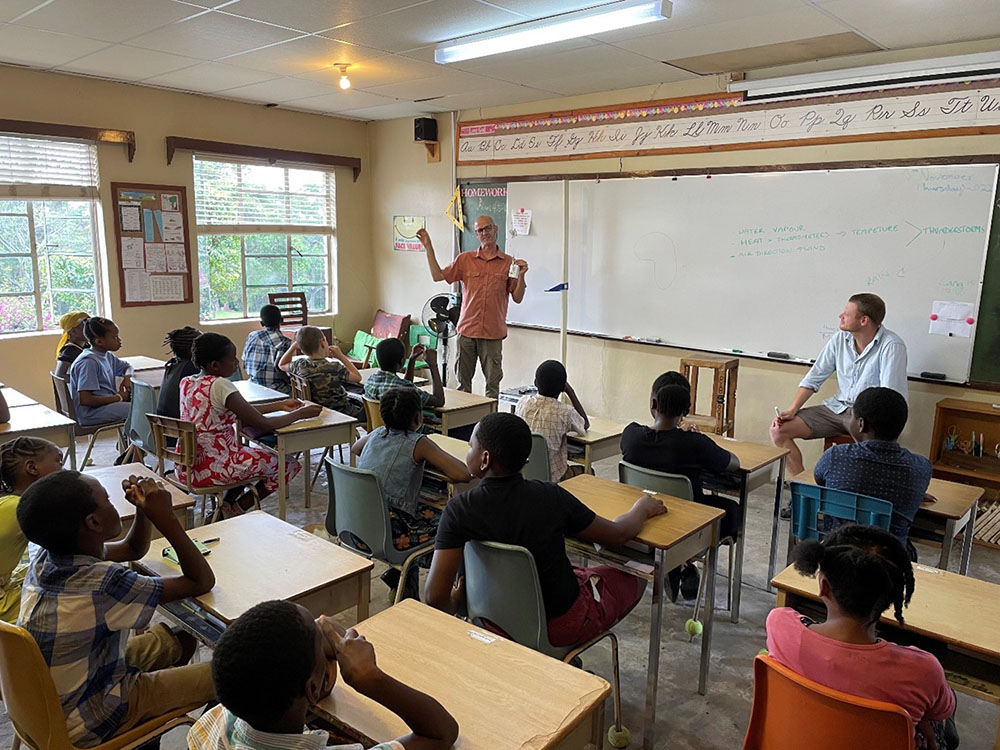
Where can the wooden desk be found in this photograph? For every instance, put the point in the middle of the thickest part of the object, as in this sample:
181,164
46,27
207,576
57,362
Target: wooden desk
755,470
367,372
40,421
603,440
329,428
457,449
461,408
686,530
16,398
152,378
954,511
260,557
111,479
259,394
952,616
142,362
503,696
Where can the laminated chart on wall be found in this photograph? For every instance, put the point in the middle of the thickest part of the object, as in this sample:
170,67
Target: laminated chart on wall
154,249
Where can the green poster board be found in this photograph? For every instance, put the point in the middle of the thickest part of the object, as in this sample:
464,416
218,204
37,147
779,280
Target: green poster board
483,199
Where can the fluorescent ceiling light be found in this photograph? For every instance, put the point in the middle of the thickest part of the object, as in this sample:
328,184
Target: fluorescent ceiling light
619,15
892,75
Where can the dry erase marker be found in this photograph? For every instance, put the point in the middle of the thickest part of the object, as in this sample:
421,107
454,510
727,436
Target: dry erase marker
777,412
209,541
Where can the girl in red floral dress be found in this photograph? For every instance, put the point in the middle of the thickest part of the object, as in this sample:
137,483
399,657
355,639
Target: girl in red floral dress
213,404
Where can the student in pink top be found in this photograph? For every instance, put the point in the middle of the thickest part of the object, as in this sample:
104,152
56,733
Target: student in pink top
864,570
487,282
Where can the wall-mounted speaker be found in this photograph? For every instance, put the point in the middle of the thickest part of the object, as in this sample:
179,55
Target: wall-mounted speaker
425,129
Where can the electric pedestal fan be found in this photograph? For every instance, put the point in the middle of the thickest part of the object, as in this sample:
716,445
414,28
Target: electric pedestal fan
440,316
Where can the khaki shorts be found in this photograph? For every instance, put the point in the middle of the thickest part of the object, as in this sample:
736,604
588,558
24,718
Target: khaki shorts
824,422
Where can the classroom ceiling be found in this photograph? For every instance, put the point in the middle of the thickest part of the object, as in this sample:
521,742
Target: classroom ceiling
283,51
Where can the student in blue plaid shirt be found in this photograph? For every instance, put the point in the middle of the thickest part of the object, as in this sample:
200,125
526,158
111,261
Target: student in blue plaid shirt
390,354
264,348
79,604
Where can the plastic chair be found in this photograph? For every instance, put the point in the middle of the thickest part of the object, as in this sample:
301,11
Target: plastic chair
33,705
66,407
791,711
140,434
501,586
810,503
363,512
185,453
538,466
372,414
675,485
362,352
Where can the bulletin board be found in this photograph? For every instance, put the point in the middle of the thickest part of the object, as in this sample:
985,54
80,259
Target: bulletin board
153,244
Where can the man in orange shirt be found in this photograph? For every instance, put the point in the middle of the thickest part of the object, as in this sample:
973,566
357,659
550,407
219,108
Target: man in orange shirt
486,286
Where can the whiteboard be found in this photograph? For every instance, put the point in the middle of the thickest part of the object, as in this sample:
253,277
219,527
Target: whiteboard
542,248
764,262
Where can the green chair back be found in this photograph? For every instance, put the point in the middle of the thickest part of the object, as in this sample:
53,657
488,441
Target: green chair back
538,466
675,485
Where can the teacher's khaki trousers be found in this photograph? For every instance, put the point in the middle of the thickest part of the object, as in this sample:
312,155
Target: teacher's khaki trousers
489,352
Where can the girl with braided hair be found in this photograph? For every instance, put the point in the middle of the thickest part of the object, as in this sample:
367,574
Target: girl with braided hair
178,367
22,461
862,571
398,452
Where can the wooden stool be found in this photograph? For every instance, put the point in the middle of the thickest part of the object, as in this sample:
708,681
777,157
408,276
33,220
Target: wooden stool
722,420
836,440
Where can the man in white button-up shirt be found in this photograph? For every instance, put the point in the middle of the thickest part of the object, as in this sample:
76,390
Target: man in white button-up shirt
864,354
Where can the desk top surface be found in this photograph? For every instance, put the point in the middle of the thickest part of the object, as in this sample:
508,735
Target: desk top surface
455,400
15,398
948,607
258,394
600,429
503,695
610,499
142,362
111,478
33,417
326,418
752,456
152,377
260,557
452,446
953,498
367,372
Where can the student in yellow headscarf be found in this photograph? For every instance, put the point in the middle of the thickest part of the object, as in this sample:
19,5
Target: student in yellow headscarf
73,341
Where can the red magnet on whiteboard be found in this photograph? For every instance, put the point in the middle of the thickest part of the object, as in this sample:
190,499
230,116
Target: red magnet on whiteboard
970,321
933,316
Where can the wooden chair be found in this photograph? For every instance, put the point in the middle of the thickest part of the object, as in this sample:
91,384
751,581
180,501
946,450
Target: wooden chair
66,407
791,711
302,391
837,440
35,711
722,420
185,453
295,313
372,413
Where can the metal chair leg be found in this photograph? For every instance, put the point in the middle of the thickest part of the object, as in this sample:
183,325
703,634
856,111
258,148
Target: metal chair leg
326,452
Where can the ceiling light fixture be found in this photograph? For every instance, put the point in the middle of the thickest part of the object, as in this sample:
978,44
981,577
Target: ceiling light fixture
608,17
345,82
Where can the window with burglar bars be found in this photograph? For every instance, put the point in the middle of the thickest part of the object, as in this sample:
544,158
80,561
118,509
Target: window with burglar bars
262,229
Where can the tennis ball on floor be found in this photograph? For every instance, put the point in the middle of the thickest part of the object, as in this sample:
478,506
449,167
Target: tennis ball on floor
693,627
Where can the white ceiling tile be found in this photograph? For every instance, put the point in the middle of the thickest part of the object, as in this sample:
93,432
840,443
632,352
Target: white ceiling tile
377,72
392,111
593,59
512,95
11,9
313,15
42,49
340,101
864,14
209,77
919,33
128,63
609,79
690,13
278,90
429,23
544,8
769,28
110,20
443,84
302,55
211,36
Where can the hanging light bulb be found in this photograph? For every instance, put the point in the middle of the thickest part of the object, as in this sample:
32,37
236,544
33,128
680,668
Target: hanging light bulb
345,82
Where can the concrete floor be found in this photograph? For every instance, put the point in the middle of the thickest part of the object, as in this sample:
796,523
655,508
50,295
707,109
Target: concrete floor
685,720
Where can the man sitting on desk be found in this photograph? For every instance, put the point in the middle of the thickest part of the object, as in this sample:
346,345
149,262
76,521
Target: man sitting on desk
863,354
486,283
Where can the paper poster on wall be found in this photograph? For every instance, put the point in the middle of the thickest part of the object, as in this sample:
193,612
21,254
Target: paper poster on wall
170,202
156,257
171,226
176,258
404,233
130,216
148,226
136,285
166,288
952,318
520,221
132,255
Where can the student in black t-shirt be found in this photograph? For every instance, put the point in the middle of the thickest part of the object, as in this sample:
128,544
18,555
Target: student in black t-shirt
669,448
178,367
537,515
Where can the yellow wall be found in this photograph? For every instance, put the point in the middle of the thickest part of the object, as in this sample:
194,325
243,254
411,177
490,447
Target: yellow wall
25,360
613,378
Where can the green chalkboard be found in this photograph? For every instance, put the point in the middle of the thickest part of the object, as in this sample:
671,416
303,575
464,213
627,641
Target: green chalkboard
483,199
986,350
